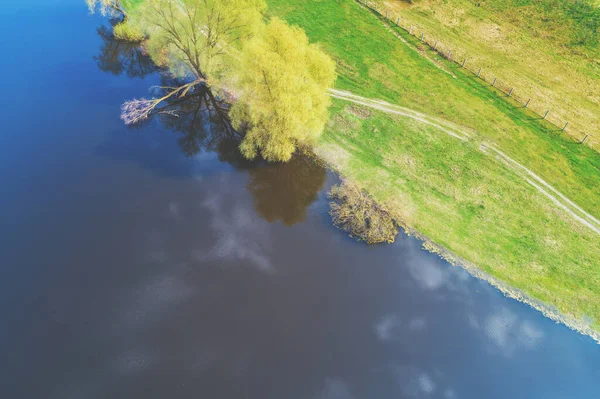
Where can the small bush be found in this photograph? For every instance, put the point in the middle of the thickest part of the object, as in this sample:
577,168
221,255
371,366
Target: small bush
357,213
128,33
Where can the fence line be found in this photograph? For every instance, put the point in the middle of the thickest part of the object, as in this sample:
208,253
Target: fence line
444,51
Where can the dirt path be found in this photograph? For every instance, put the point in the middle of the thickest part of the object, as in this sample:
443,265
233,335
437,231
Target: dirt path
445,126
559,199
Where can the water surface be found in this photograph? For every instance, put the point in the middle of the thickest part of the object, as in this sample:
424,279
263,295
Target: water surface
155,263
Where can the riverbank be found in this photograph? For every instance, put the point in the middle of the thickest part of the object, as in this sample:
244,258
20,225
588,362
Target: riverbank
467,221
456,188
450,190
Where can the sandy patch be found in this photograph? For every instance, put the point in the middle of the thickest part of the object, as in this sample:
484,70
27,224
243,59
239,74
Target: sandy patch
487,31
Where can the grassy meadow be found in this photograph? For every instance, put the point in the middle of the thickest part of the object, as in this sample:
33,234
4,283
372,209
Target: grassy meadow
548,50
373,63
475,207
448,189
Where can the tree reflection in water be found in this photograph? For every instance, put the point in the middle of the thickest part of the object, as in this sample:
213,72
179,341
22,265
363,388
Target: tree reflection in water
118,57
281,191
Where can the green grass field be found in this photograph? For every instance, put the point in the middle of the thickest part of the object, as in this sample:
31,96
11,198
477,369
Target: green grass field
448,189
470,204
548,50
373,63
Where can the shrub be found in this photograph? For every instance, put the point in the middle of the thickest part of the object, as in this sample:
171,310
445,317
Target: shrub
127,32
356,212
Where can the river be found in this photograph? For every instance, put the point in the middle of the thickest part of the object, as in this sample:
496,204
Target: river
150,262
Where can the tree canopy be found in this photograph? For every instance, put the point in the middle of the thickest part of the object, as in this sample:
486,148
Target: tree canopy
277,80
198,37
283,81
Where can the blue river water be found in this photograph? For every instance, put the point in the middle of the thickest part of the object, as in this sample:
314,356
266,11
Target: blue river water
149,263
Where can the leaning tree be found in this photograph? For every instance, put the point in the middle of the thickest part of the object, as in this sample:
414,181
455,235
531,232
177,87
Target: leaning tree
198,41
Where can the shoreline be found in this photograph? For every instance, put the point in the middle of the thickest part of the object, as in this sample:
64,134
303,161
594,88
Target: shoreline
507,290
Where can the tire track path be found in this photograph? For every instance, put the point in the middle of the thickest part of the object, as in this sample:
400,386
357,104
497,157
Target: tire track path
560,200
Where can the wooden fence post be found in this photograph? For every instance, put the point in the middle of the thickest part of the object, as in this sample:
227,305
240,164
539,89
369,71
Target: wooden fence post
449,55
479,73
546,115
494,83
527,104
565,126
583,141
435,46
398,21
410,30
422,36
464,62
511,91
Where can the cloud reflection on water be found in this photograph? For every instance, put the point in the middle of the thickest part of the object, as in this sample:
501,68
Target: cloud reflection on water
241,236
336,389
190,306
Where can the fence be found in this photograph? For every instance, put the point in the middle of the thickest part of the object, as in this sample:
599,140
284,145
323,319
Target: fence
395,21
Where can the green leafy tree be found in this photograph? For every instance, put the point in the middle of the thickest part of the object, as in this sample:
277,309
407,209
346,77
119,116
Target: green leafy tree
283,81
197,40
198,37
